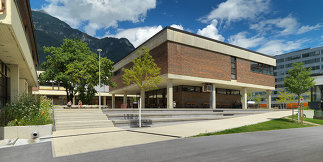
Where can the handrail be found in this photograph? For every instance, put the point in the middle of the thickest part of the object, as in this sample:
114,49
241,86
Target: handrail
53,115
3,5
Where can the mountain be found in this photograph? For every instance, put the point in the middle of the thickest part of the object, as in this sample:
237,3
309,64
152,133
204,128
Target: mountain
51,31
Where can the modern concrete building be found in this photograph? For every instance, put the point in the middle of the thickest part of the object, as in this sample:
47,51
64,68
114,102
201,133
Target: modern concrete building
18,51
189,61
311,57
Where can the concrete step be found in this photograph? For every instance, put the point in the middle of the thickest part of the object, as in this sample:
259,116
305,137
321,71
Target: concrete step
81,127
78,119
160,120
82,122
179,113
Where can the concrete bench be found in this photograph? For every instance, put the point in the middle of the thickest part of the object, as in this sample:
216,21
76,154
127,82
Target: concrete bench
86,107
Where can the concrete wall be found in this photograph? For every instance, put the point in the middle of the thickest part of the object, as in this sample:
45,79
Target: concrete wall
24,132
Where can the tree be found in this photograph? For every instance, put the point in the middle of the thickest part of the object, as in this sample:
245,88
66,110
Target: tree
252,97
75,67
284,97
56,63
81,73
144,73
299,81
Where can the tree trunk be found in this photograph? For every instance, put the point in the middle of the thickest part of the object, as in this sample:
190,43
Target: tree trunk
141,104
302,118
299,112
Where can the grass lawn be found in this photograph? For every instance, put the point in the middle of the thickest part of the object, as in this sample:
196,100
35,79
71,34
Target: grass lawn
281,123
317,121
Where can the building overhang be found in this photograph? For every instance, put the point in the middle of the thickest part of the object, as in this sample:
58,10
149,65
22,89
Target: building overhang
195,81
16,45
182,37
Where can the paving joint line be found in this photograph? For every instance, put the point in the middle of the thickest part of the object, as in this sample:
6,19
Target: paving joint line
159,134
82,134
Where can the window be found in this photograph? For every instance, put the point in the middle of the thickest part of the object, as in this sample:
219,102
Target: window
280,67
262,68
191,89
315,67
256,67
227,91
311,61
293,58
280,60
233,68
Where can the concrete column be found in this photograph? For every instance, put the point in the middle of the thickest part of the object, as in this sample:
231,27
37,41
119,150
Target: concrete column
142,96
125,97
23,86
113,104
14,82
268,99
244,98
104,100
170,101
213,98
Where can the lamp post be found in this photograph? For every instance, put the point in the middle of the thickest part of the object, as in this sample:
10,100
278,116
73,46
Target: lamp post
99,50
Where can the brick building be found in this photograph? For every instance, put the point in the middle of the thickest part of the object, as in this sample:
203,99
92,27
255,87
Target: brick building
190,63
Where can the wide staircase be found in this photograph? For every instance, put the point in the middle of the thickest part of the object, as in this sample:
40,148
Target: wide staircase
80,119
122,117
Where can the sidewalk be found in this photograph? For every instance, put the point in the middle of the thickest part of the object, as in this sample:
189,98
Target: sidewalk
67,142
191,129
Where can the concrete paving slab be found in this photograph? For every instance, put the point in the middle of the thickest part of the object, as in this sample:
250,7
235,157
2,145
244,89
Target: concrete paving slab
87,140
191,129
68,142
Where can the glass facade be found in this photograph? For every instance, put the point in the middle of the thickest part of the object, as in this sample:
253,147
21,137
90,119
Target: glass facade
316,93
4,85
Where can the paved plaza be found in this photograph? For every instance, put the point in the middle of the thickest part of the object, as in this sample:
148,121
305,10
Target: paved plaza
68,142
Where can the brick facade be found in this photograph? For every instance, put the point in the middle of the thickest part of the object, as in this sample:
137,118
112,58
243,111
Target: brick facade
180,59
245,75
190,61
160,56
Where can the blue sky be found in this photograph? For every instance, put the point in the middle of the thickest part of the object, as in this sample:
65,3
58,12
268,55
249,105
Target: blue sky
268,26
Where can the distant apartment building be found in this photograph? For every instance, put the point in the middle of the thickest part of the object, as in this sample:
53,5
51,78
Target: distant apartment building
199,72
311,57
18,50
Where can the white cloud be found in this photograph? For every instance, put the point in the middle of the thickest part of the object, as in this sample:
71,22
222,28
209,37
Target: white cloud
180,27
211,31
307,28
286,25
232,10
283,26
241,40
275,47
98,14
137,35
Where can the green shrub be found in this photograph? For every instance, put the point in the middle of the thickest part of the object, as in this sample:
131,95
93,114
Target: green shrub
27,110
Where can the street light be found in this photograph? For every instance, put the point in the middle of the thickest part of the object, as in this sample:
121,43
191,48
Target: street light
99,50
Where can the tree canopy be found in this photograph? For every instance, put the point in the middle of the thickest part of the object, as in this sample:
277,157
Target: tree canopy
144,72
74,66
299,80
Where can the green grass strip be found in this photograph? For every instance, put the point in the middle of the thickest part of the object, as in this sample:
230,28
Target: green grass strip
281,123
